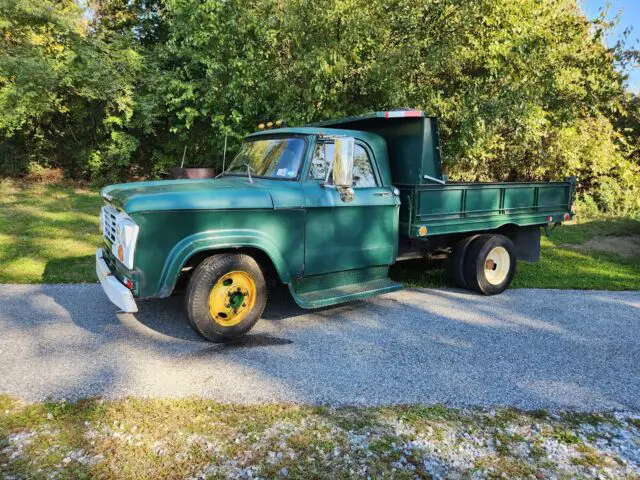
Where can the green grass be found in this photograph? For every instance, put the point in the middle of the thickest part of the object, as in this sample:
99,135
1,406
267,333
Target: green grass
49,233
144,438
559,266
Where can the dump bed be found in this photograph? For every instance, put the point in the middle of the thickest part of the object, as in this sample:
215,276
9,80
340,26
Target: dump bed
466,207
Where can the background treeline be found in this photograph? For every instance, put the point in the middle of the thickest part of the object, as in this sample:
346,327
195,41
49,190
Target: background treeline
525,90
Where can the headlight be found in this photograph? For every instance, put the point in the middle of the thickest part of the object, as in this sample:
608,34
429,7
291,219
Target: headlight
126,236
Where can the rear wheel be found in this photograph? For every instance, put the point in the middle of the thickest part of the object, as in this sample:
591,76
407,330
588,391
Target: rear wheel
226,296
455,267
490,264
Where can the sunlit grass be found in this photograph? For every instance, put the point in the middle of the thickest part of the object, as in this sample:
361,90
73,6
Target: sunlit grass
48,233
564,268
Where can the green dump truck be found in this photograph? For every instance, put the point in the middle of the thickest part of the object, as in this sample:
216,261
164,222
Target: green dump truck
324,209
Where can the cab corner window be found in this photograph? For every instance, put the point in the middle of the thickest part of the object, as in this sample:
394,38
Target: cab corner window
363,176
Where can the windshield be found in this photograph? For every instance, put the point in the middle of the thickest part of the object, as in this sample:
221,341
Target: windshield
274,157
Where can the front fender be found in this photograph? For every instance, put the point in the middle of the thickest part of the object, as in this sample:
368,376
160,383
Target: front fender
215,240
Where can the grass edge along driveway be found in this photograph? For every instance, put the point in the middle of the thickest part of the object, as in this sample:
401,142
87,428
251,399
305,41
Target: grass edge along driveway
194,438
49,233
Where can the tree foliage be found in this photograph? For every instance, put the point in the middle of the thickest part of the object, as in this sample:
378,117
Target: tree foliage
524,90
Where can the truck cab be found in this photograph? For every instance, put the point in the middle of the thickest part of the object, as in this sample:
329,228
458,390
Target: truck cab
324,209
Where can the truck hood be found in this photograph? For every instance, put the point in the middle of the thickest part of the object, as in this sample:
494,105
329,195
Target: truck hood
209,194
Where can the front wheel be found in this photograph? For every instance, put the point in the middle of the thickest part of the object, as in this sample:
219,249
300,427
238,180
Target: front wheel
490,264
226,296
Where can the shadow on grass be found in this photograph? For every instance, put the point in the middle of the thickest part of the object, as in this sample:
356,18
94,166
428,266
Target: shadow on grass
70,270
421,273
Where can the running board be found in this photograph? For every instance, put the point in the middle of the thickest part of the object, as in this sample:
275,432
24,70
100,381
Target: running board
341,287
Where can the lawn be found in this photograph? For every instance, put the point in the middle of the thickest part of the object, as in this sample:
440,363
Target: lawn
195,438
49,233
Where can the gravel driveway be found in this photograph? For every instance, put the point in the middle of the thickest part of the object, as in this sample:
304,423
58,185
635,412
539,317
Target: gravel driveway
526,348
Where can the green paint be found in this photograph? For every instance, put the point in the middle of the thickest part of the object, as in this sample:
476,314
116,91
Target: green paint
236,299
344,236
331,288
412,144
467,207
169,238
327,250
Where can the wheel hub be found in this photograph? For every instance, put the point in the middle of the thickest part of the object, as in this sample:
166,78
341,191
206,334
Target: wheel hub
236,298
497,265
232,298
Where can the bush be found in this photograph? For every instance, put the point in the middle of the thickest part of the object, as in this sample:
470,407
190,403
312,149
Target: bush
615,197
525,90
38,174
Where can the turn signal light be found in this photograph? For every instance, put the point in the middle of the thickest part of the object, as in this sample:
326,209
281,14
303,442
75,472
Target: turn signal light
566,217
120,253
422,231
128,283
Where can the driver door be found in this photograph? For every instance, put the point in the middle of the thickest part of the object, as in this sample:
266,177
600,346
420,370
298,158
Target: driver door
343,235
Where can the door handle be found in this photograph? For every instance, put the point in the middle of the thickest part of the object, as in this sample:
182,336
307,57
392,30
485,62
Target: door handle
383,194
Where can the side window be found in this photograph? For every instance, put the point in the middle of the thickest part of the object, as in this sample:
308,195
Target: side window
363,176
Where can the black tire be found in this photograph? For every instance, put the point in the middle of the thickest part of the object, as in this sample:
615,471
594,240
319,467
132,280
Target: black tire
455,265
201,284
477,271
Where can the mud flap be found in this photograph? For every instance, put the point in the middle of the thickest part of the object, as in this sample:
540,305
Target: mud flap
527,243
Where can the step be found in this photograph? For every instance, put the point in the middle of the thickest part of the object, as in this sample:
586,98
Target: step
345,293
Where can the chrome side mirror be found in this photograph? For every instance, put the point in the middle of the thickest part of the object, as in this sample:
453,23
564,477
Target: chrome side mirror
343,168
343,162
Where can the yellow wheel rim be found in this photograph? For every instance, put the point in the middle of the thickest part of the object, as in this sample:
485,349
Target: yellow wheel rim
232,298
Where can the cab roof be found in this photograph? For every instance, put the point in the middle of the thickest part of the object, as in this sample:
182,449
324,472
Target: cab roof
312,130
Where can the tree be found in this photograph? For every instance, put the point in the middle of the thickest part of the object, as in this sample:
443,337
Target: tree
65,91
524,90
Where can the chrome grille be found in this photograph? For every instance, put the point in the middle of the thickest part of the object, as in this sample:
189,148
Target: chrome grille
109,219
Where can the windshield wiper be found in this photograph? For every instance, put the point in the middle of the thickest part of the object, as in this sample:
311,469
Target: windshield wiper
249,171
224,156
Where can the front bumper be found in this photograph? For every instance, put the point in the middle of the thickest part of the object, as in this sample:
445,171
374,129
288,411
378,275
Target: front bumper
119,295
